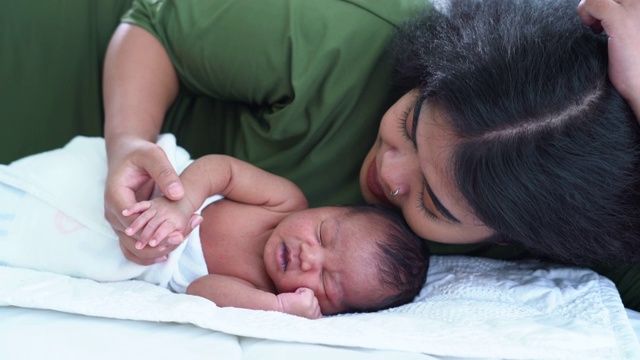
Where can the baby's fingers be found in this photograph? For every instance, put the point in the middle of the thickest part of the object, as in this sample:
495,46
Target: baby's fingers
176,237
172,240
142,223
137,208
163,232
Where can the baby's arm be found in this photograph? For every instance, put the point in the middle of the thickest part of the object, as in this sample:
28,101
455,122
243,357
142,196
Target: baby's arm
231,291
209,175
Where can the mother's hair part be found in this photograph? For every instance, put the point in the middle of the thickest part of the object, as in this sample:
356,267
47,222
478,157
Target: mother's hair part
547,151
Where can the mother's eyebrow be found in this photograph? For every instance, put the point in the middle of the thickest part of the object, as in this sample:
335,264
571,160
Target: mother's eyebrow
416,115
436,202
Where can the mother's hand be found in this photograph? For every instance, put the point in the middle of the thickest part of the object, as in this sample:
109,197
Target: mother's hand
135,166
620,19
140,84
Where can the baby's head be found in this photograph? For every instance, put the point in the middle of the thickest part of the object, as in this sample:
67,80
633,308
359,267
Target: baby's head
401,257
354,258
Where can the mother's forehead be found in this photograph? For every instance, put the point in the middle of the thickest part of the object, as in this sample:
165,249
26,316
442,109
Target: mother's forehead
437,143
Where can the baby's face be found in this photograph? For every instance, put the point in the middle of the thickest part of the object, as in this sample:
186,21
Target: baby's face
333,253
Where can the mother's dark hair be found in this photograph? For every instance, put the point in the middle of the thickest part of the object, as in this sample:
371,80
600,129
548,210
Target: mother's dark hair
547,151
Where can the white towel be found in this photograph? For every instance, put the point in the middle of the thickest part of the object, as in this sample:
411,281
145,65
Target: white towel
51,176
53,215
469,307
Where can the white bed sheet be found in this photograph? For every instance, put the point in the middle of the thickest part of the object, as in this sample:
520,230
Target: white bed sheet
634,319
470,308
28,334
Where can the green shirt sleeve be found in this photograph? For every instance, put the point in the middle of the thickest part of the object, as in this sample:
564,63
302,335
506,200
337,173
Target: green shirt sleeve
295,87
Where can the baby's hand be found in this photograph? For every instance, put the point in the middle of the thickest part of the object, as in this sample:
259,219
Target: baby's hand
302,303
161,222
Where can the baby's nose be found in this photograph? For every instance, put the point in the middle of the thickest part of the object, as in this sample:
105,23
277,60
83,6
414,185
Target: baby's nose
310,257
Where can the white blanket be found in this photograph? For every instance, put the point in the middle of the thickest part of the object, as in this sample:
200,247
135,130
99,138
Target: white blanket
469,307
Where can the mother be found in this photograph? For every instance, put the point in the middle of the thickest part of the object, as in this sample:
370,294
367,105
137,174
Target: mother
261,81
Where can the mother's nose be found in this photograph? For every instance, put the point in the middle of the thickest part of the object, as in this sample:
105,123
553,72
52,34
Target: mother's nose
310,257
396,170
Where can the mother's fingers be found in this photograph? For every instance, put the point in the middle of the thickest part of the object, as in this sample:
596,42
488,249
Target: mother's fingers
157,165
146,256
117,198
620,19
600,13
132,175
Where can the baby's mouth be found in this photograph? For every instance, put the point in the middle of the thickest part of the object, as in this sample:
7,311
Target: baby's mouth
284,257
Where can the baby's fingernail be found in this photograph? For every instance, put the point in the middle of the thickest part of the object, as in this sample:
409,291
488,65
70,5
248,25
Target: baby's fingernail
161,259
139,245
175,190
128,231
196,221
174,240
163,248
125,212
153,242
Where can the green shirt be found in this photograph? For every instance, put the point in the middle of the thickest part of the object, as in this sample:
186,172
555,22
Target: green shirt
51,56
295,87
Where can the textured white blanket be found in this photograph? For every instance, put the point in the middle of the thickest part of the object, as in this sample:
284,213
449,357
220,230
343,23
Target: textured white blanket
469,307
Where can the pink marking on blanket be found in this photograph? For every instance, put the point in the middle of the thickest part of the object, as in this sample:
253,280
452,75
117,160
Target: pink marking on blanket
66,224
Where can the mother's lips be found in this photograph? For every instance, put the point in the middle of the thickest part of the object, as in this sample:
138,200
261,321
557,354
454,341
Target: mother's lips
374,185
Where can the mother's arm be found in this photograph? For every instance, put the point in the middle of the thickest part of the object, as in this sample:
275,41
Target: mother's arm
620,19
140,84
